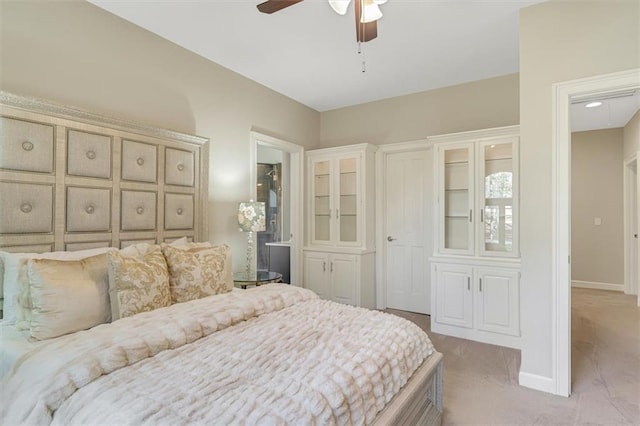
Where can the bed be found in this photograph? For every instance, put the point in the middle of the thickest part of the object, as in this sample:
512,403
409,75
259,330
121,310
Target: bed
118,320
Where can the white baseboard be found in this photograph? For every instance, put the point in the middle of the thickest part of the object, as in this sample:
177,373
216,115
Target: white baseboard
597,286
534,381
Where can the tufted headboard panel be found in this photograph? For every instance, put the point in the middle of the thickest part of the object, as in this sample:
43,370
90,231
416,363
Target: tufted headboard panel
71,180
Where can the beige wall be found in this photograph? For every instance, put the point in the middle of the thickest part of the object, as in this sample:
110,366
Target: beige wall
597,252
471,106
77,54
559,41
631,135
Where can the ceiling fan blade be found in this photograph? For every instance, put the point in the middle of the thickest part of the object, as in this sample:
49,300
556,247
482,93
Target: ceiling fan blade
271,6
364,32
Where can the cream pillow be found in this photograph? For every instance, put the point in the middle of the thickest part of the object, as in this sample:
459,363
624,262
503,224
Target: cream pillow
198,272
67,295
138,283
17,306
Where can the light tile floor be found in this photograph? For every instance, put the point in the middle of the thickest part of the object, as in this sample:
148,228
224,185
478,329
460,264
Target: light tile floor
481,381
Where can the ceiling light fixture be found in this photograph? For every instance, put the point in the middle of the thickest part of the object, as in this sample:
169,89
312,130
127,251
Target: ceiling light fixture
367,13
593,104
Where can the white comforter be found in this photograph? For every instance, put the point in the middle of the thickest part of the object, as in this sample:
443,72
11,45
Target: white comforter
290,358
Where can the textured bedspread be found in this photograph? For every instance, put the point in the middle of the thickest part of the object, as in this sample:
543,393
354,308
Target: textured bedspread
272,355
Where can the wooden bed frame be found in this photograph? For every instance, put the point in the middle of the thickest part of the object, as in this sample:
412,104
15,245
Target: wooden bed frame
420,400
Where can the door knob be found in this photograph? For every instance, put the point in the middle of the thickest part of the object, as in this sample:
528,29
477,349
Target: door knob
390,239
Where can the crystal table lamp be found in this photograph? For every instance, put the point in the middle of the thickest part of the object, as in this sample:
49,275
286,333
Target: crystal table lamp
251,218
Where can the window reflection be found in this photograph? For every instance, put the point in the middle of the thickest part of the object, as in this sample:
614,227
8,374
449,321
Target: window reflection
498,211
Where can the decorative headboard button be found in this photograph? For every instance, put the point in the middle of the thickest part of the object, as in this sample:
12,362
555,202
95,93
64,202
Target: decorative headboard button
26,208
91,155
140,210
89,209
179,211
180,167
140,161
27,146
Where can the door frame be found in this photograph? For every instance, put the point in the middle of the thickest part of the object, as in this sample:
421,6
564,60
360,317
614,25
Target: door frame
381,252
561,212
631,214
296,196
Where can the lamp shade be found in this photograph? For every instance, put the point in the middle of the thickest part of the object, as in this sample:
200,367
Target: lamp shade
251,216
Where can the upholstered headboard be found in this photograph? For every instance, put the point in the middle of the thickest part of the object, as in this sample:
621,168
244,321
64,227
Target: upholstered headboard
72,180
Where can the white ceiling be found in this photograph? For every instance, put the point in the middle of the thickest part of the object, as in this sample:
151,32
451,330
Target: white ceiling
309,53
616,111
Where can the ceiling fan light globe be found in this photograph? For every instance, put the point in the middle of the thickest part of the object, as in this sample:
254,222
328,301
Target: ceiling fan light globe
339,6
370,12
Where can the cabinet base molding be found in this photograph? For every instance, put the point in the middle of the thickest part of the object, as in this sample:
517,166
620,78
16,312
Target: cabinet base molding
537,382
476,335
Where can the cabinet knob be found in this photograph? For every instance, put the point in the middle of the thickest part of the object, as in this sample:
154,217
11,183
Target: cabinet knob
27,146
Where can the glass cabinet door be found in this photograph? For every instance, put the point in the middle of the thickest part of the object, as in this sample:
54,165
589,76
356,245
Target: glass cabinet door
499,184
348,200
457,199
321,201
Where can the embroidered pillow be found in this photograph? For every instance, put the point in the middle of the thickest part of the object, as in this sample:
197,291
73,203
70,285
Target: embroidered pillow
138,284
197,272
67,295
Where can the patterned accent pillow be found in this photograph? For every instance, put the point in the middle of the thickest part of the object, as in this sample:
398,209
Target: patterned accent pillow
138,284
197,272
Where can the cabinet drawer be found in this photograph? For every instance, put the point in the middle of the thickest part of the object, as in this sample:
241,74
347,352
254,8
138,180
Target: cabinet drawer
25,145
26,208
88,154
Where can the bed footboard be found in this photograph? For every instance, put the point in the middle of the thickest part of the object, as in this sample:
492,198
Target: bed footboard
420,400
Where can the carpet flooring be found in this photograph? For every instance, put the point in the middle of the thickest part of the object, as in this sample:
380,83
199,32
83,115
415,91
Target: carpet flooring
481,380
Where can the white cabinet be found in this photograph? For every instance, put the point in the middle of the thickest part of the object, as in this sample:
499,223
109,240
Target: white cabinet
340,277
477,187
340,188
453,295
497,304
339,251
475,267
477,302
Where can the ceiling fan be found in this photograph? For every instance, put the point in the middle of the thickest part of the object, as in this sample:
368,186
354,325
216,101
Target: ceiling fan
367,13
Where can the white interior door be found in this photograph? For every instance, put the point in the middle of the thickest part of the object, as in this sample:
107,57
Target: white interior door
408,226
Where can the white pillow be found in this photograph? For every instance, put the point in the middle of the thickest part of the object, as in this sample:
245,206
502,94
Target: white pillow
15,276
67,295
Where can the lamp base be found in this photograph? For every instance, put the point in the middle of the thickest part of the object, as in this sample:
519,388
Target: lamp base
249,270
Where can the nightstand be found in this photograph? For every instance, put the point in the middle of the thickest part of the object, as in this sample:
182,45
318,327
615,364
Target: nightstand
241,280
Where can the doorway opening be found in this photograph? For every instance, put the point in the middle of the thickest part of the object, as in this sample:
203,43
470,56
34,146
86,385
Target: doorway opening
563,93
276,179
